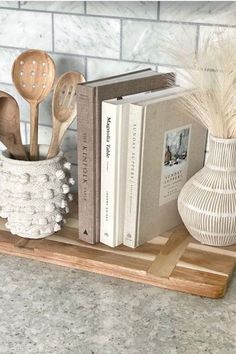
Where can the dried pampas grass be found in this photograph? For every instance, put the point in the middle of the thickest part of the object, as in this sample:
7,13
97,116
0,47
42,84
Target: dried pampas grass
212,74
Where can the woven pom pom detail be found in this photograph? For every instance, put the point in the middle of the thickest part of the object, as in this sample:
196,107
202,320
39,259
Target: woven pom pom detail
26,196
71,181
70,197
50,207
43,221
58,218
25,178
48,194
65,188
48,230
67,165
60,174
63,203
57,227
43,178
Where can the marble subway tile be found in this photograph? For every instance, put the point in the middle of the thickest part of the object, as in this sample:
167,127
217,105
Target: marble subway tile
87,35
100,68
7,57
137,9
209,35
76,7
44,134
214,12
12,4
66,63
151,42
213,33
69,143
25,29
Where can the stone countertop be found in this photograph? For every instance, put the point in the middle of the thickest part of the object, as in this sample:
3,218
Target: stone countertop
54,310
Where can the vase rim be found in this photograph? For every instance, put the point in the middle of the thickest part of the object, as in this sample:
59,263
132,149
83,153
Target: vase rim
4,156
222,140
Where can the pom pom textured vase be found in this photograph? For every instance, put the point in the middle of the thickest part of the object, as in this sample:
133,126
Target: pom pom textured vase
34,195
207,202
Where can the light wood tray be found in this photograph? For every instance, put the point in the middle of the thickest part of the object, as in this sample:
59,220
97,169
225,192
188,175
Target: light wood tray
173,260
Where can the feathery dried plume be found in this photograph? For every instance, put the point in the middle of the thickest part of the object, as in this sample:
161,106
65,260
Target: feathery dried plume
212,74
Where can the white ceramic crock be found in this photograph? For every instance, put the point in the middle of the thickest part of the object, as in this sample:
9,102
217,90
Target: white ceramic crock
34,195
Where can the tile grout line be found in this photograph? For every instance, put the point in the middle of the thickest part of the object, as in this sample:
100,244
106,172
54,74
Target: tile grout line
121,39
83,56
86,68
197,40
119,17
53,37
158,10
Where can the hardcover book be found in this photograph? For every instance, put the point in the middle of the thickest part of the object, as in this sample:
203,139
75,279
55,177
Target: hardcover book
115,123
90,95
166,147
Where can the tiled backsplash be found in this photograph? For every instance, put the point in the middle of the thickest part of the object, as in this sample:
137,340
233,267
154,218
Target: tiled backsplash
101,39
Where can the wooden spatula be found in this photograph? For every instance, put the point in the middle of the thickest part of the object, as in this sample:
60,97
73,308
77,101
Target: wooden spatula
33,74
64,108
10,127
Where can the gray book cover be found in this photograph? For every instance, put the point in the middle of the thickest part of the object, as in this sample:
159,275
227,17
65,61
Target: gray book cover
173,149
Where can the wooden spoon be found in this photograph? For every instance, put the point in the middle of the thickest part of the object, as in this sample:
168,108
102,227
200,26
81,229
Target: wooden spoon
10,127
64,108
33,74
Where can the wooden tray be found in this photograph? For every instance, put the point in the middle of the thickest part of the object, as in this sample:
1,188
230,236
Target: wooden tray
173,260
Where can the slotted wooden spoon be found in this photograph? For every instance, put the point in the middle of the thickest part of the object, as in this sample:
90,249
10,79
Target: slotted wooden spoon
10,127
64,108
33,74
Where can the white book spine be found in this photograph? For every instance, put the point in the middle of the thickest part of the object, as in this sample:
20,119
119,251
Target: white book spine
133,173
108,173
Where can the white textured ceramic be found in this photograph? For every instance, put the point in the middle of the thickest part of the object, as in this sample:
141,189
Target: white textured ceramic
34,195
207,202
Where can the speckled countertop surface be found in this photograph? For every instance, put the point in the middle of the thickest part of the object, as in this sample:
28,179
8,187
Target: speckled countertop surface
54,310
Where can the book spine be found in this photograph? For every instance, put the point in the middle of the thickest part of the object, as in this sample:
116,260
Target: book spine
108,174
86,165
133,172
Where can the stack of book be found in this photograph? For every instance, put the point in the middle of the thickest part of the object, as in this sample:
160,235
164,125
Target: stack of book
136,149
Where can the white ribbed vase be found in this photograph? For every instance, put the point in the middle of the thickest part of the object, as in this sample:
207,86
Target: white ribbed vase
207,202
34,195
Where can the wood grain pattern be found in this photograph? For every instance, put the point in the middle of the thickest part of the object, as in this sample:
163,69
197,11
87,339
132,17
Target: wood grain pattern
64,108
10,134
33,74
172,260
170,253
